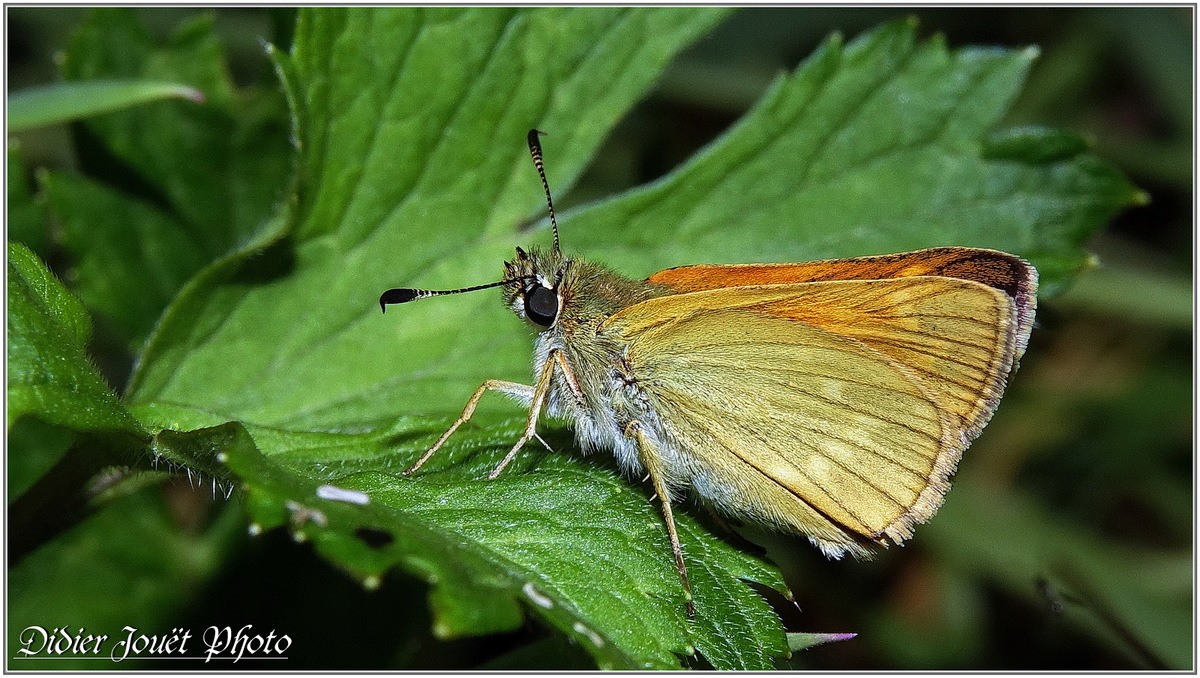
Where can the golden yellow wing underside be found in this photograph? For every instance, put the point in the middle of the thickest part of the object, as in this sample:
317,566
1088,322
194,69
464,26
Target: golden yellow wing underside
839,409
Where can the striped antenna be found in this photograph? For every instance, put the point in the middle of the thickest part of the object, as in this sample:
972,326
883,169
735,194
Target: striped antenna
403,295
535,149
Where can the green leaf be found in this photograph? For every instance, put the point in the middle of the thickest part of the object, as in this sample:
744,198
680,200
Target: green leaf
886,147
803,641
395,143
156,221
131,278
235,145
576,545
66,101
52,381
49,373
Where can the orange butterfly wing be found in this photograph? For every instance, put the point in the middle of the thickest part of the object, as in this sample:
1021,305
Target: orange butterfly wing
1000,270
927,341
947,325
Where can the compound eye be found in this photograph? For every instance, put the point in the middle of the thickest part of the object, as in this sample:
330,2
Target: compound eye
541,306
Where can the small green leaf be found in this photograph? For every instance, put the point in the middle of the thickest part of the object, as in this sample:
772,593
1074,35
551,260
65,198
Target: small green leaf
220,168
49,373
131,278
803,641
52,380
67,101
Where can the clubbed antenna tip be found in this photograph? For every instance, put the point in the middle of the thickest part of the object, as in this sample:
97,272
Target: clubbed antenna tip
397,296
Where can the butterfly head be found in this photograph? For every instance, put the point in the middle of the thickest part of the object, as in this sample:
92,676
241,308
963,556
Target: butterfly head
533,285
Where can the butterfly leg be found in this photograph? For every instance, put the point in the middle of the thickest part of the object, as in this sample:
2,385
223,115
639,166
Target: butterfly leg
519,390
540,391
654,466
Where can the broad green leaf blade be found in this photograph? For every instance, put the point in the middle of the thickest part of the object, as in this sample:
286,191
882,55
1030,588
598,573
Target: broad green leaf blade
436,112
409,152
66,101
49,374
880,146
221,167
131,278
564,539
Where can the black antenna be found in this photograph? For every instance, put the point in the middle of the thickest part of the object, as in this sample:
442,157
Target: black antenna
403,295
535,149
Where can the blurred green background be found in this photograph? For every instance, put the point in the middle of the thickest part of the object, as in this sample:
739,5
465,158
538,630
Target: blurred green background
1082,513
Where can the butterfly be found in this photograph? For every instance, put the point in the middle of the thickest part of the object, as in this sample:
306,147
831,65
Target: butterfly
831,399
